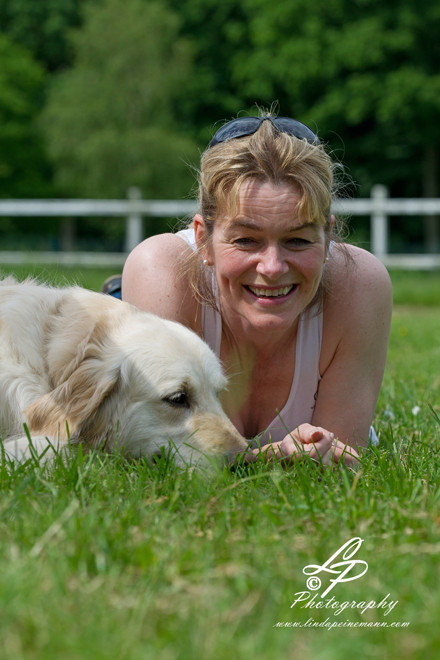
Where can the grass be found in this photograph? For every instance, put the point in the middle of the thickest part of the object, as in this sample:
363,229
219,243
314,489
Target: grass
91,278
104,558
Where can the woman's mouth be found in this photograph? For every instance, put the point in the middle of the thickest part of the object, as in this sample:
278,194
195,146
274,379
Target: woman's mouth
271,292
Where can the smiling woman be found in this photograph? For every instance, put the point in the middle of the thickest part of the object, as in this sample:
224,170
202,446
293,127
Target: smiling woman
268,262
299,320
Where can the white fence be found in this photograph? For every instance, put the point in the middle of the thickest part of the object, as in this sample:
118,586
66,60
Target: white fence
379,207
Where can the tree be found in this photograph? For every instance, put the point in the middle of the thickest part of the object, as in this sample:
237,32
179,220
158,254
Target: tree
112,120
216,30
365,72
23,170
42,28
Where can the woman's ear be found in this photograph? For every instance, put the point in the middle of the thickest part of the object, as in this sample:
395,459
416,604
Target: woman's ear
199,229
328,235
201,236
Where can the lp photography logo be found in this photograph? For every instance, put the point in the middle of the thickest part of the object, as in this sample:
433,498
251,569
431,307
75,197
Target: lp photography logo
322,579
347,570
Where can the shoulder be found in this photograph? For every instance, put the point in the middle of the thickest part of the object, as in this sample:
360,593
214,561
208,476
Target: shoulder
156,251
356,278
357,318
358,306
152,279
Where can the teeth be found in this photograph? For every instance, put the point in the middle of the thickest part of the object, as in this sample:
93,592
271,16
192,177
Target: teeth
271,293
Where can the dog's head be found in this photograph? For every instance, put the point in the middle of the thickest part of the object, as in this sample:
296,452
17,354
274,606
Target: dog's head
133,382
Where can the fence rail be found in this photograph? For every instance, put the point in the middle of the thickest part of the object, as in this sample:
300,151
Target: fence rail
133,209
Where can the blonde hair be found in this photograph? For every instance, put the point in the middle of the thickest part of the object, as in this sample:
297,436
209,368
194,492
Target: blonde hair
266,155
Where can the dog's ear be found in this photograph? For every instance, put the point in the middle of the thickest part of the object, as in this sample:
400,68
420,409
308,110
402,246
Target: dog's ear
88,380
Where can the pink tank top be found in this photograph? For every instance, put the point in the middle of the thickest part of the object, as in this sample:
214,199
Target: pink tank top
300,404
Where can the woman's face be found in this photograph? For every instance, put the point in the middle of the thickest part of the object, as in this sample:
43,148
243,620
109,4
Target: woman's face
268,261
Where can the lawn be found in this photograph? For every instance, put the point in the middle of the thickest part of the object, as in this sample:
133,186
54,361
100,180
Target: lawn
107,559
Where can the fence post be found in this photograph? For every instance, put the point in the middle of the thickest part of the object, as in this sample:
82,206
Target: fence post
379,221
133,226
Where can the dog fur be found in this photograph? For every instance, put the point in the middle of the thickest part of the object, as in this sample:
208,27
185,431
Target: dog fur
85,366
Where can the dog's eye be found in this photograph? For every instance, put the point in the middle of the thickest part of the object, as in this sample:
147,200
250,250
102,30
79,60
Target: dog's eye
178,399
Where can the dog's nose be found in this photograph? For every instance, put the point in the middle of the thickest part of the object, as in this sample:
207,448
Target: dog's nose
235,446
216,434
241,453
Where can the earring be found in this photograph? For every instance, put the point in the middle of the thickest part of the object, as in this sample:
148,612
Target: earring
205,262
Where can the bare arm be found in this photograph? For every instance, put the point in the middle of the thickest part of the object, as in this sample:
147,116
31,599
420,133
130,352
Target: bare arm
152,281
356,332
356,329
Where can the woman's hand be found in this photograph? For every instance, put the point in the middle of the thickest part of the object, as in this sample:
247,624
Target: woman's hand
312,441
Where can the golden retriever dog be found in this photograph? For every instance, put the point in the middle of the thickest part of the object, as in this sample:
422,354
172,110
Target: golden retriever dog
82,367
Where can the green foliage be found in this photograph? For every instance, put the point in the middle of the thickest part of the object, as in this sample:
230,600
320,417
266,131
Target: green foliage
42,27
139,84
216,30
362,71
112,121
157,73
22,165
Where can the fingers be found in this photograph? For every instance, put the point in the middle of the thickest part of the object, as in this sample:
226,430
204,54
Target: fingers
326,450
338,452
269,452
286,451
307,439
306,433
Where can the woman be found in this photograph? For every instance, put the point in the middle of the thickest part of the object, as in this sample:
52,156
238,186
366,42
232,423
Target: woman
299,321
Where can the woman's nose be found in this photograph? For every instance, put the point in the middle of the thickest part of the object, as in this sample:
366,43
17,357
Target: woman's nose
272,263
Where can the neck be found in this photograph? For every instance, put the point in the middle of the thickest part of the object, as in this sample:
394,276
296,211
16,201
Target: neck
248,360
252,343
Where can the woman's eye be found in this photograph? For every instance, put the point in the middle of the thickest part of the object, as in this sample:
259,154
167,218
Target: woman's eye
245,242
298,242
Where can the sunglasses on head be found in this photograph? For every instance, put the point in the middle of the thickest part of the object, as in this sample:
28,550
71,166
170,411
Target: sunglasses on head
244,126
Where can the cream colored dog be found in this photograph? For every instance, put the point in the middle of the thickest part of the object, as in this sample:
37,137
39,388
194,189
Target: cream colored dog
119,378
